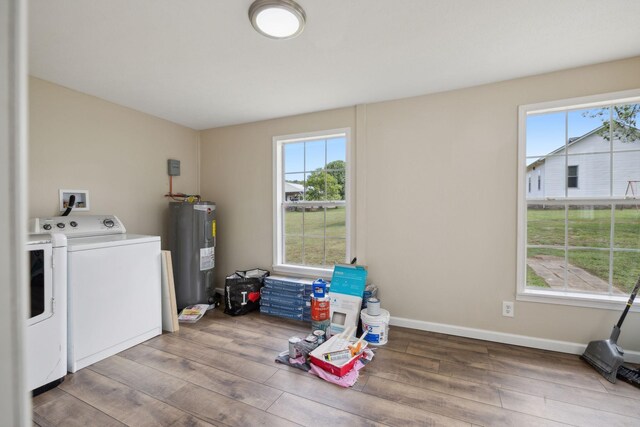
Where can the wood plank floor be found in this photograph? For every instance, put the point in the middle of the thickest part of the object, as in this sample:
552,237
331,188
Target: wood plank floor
221,372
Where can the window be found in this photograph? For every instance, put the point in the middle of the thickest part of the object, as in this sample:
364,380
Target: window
572,176
579,239
312,202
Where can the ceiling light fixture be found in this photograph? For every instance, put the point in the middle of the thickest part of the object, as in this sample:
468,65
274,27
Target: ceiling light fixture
277,19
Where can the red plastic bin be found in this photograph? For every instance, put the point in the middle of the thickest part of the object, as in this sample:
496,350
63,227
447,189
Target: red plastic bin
340,370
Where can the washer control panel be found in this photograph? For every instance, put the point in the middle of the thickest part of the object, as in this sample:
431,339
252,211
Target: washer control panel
78,225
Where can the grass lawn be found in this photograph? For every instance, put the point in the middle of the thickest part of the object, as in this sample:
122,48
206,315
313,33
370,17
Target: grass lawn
312,247
305,242
588,228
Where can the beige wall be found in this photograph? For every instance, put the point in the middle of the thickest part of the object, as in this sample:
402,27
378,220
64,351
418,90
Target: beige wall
236,173
77,141
436,225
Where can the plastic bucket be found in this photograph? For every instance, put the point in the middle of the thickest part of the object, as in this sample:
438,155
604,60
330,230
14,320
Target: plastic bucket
378,327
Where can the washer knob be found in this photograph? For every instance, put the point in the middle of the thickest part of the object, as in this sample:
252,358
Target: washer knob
73,224
60,225
47,226
108,223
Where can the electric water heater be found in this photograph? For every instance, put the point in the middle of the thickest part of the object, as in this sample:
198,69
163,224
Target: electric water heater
192,242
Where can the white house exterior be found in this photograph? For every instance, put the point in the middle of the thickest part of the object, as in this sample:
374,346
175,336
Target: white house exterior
293,192
585,170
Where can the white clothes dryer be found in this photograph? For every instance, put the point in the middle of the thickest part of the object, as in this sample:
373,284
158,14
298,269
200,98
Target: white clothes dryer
46,341
114,286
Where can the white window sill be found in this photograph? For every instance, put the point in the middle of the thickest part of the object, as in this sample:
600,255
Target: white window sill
575,299
302,271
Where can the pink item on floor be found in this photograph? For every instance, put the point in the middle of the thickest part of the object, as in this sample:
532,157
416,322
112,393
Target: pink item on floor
300,360
348,380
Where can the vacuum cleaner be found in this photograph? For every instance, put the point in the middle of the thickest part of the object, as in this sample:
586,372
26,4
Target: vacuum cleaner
606,356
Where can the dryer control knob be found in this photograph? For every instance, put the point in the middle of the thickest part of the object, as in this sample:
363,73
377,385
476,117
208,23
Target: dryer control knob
108,223
60,225
47,226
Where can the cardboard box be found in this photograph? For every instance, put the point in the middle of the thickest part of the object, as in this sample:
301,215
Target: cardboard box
344,311
336,369
347,286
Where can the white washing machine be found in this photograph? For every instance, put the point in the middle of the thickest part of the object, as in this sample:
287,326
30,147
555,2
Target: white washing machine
46,344
113,284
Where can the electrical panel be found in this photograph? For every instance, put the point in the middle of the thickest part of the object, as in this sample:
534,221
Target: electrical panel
173,167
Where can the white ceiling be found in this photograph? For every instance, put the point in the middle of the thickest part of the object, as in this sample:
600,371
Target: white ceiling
201,64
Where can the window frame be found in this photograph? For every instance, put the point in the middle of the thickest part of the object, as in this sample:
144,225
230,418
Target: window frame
278,264
581,299
573,176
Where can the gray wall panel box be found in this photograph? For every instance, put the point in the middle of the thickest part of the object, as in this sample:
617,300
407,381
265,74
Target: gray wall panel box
192,240
173,167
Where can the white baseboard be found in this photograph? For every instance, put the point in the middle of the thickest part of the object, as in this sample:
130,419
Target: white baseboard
501,337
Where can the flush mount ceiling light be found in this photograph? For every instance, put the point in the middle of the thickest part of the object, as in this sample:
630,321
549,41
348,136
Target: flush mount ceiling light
277,19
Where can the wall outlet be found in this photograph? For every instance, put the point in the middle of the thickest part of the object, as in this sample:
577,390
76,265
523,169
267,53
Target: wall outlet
507,308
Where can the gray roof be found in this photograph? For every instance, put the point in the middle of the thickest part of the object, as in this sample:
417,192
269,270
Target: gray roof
290,187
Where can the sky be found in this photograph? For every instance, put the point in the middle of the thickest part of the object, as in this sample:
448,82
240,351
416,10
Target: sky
294,156
546,132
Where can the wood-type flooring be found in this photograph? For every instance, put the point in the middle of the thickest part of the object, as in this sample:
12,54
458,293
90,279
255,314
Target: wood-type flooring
220,371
